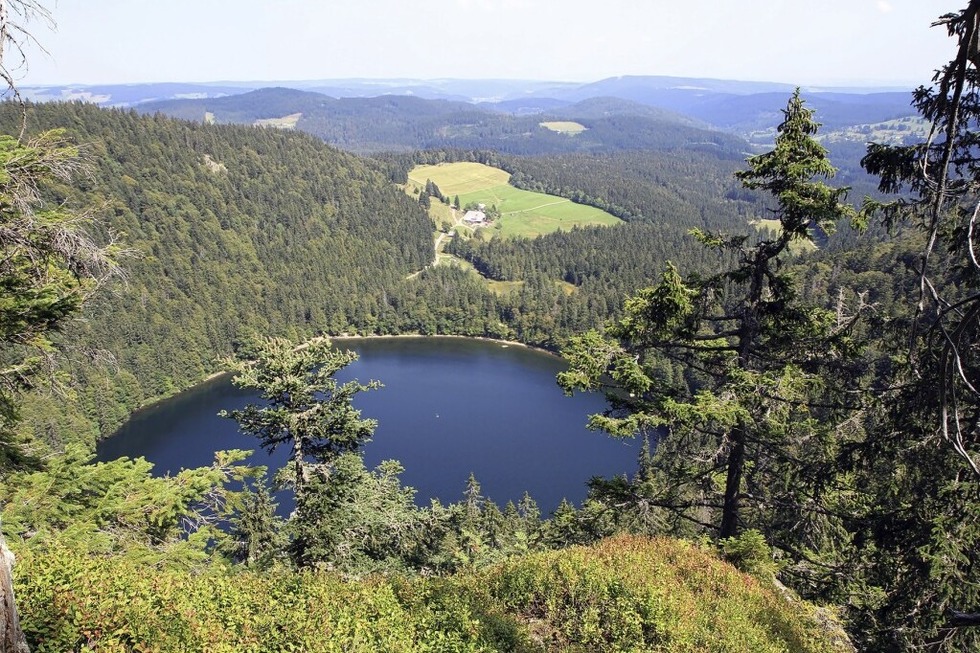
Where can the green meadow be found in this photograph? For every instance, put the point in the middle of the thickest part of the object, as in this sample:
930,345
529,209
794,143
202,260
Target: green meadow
523,213
564,127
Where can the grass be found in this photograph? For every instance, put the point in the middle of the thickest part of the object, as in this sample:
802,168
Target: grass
564,127
286,122
440,212
795,247
502,288
459,178
763,224
449,259
523,213
567,288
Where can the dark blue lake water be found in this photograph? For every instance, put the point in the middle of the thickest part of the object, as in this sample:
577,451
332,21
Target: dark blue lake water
449,407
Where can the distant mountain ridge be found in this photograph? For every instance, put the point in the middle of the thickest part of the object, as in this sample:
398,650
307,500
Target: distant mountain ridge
405,123
624,113
463,90
674,93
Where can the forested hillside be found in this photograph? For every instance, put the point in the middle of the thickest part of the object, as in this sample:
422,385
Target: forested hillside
233,231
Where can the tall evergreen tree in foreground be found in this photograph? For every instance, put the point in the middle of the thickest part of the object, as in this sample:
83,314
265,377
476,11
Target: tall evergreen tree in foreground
871,492
49,266
942,177
746,438
920,535
345,515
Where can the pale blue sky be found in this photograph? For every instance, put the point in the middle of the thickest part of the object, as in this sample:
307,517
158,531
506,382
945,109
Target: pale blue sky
823,42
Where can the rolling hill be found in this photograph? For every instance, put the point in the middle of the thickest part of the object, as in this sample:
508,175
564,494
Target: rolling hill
405,123
737,106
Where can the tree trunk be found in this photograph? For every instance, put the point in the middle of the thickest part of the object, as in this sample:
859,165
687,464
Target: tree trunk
733,484
11,636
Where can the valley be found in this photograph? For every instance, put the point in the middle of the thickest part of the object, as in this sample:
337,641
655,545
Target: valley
743,415
243,232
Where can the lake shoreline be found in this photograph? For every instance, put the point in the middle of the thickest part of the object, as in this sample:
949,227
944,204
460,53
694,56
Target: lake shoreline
502,343
332,338
449,408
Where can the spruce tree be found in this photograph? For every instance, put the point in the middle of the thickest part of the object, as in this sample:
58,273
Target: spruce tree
257,535
919,520
49,266
743,440
307,410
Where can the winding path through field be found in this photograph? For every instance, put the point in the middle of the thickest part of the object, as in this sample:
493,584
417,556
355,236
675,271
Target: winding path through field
457,221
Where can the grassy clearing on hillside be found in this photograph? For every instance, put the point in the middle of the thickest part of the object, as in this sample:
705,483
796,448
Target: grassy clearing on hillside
466,266
501,288
286,122
892,132
459,178
766,224
523,213
440,213
568,288
564,127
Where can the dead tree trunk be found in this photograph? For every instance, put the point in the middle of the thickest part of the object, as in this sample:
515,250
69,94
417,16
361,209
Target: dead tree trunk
11,636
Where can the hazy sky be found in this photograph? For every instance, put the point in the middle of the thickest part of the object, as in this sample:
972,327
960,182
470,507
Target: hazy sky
819,42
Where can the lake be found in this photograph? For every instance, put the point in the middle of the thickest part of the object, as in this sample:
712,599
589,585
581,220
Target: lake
450,406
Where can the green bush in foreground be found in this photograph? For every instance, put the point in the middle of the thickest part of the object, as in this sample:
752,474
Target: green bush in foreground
624,594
